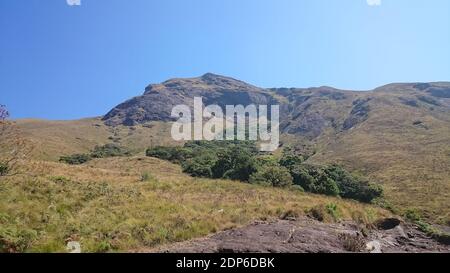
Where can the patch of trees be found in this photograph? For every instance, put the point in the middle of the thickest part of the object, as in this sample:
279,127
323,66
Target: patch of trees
108,150
240,160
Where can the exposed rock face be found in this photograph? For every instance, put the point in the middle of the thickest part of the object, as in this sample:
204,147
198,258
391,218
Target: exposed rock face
359,113
158,99
306,235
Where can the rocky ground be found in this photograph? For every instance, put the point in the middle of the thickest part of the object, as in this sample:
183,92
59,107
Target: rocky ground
307,235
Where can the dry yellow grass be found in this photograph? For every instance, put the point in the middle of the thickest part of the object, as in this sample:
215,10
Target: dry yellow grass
411,162
53,139
108,206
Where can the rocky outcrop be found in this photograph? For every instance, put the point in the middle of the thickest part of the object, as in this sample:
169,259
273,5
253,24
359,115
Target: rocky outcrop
306,235
158,99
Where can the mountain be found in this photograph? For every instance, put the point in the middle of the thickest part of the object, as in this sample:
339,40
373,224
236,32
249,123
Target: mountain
307,112
397,134
158,99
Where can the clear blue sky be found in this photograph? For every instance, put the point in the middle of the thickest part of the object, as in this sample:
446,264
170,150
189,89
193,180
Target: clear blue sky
65,62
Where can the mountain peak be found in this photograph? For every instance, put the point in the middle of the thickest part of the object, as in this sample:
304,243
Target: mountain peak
208,81
211,76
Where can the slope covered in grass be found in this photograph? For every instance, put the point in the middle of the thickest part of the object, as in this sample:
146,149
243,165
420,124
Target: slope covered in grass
53,139
120,204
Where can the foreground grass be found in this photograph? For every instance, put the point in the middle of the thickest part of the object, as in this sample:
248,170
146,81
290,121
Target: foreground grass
120,204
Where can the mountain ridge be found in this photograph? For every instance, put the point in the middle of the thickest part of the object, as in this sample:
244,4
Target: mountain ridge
398,135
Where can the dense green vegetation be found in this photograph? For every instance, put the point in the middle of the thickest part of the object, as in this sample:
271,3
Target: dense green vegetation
240,160
108,150
75,159
4,168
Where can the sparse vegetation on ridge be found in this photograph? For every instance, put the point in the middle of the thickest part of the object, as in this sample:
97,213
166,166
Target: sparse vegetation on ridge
108,150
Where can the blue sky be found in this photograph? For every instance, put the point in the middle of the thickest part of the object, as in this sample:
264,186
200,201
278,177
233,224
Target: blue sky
65,62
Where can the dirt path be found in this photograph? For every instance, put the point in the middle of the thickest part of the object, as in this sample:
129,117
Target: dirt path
310,236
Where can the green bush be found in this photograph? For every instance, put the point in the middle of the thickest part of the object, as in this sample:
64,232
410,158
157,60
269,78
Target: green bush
109,150
326,185
353,187
289,159
240,160
234,163
275,176
212,159
302,177
200,166
4,168
413,215
172,154
332,209
75,159
325,213
314,180
334,180
147,177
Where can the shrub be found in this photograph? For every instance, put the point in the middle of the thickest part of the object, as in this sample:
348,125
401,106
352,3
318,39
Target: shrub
314,180
109,150
413,215
4,168
266,161
75,159
332,209
303,178
290,159
240,160
352,187
172,154
326,185
234,163
216,159
276,176
200,166
147,177
325,213
334,180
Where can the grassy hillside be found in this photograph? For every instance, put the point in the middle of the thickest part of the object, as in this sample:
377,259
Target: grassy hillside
407,149
120,204
52,139
399,134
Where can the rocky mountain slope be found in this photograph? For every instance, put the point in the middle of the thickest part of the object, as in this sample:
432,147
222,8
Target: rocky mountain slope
308,112
158,99
398,134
